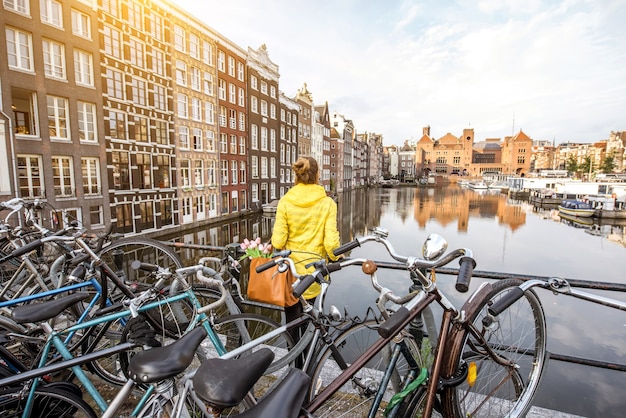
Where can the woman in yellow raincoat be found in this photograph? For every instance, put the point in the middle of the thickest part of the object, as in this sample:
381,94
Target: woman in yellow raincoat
306,224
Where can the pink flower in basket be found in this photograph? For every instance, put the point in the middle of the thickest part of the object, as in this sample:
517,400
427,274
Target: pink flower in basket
256,248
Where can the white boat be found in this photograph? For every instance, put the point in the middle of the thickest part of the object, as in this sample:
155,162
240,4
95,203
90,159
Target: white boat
478,185
576,208
270,208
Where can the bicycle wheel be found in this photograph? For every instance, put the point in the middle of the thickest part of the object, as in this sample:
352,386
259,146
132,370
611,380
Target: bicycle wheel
49,403
356,396
120,254
517,336
415,405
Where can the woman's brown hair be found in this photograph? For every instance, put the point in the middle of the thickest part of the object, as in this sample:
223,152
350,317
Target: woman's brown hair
306,170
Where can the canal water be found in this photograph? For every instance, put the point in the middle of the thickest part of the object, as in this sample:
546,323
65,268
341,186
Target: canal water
505,236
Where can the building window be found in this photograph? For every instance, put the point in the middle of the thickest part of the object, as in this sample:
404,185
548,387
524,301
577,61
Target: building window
30,175
198,173
273,91
138,89
225,203
254,137
208,84
179,38
144,170
91,175
196,109
223,143
62,176
135,15
141,129
87,128
117,125
235,201
231,66
136,52
264,173
253,82
232,93
163,170
183,137
58,122
223,116
242,145
51,12
158,62
96,217
185,173
112,42
263,108
255,167
224,173
156,26
221,61
207,53
161,135
19,6
115,84
182,106
221,90
121,170
263,138
197,139
124,216
83,67
159,98
201,207
254,104
273,140
212,173
209,113
242,172
81,24
19,49
53,59
195,79
146,215
521,159
263,87
181,73
233,171
25,111
240,71
111,7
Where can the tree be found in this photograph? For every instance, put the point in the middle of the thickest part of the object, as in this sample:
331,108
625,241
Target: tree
586,166
608,165
571,165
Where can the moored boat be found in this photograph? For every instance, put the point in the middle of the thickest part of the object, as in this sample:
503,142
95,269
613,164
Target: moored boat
576,208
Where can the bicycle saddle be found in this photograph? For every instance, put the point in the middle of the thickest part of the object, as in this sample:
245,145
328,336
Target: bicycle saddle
37,312
224,383
160,363
285,400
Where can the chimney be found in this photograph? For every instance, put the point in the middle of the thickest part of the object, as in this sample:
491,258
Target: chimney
426,130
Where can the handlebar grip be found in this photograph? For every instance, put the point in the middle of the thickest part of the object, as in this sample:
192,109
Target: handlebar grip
26,248
508,299
265,266
138,265
303,285
346,247
465,274
390,326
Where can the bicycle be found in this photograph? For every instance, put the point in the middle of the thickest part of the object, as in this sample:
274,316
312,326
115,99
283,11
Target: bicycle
483,365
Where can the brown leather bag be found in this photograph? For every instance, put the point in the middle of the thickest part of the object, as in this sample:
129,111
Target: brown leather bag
270,286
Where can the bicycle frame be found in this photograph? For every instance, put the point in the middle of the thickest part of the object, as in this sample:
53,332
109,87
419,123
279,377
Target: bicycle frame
54,339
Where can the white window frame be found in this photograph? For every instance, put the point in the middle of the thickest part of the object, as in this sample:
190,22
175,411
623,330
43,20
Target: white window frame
90,167
51,12
58,117
19,49
81,24
54,59
65,175
87,122
18,6
83,68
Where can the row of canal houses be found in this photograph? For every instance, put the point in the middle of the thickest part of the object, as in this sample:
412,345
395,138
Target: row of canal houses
138,114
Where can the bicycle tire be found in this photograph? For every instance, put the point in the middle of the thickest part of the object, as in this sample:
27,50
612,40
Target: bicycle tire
519,335
120,254
415,404
356,396
49,403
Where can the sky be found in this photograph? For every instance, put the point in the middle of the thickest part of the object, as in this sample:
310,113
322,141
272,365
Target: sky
554,69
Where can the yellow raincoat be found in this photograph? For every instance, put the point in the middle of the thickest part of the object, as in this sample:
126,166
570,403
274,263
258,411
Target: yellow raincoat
306,224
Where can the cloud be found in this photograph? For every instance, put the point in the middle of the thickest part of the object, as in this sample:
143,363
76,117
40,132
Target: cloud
554,69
